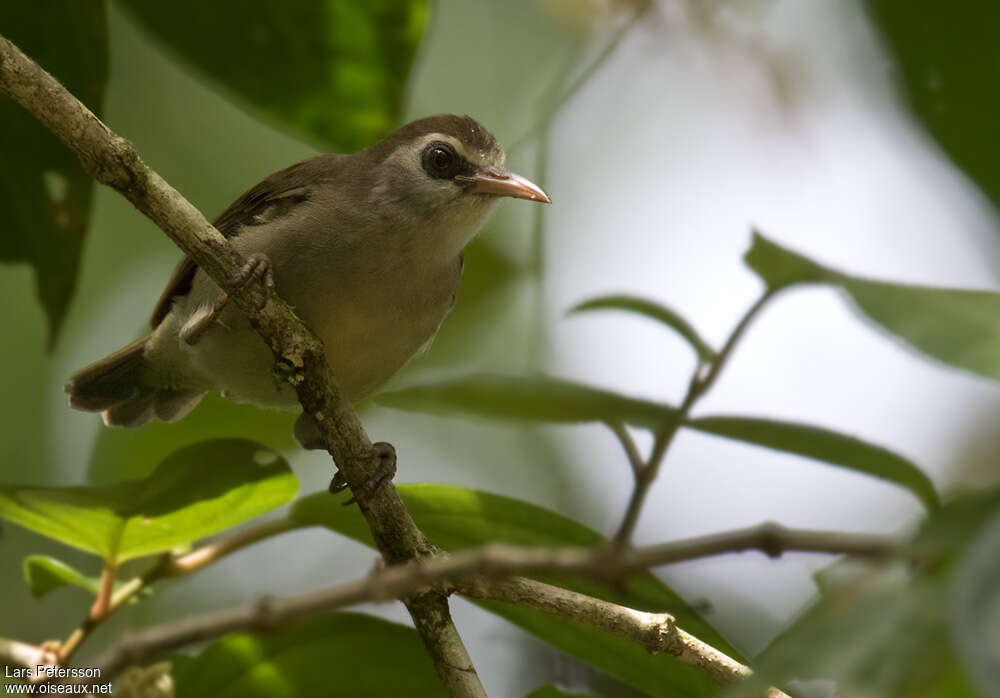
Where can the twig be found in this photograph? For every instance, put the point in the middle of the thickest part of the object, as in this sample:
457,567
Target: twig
473,572
170,566
657,632
14,653
299,355
697,387
635,460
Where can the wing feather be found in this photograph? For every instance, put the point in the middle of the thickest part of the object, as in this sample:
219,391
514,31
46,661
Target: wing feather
270,199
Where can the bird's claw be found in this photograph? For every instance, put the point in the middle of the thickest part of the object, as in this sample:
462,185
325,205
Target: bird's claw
384,473
257,268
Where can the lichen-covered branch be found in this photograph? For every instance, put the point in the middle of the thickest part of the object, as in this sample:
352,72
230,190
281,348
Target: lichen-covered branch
298,354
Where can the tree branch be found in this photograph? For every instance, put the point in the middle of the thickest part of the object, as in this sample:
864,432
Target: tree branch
298,354
14,653
476,573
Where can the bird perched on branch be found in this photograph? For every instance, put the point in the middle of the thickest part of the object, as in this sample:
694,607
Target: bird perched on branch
366,247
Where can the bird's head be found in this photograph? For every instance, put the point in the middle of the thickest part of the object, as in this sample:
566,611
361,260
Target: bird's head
444,173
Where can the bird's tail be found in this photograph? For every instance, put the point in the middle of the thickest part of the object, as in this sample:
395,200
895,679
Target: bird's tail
116,387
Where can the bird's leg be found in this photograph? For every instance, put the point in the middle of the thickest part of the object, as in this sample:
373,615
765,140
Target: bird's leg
257,268
383,473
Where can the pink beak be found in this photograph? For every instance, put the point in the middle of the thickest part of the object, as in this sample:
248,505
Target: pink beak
500,183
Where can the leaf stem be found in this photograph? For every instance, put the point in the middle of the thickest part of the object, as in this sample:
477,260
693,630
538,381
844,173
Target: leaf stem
702,379
168,566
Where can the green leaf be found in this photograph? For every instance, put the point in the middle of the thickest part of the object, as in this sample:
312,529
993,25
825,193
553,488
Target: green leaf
555,692
455,518
44,574
44,193
975,604
945,61
129,453
824,445
957,326
343,654
197,491
778,266
332,70
654,311
539,398
885,631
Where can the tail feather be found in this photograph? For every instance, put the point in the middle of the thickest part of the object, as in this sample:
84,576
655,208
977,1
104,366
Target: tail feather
116,387
110,381
131,413
171,405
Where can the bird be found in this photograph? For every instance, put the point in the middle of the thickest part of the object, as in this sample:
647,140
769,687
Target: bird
367,249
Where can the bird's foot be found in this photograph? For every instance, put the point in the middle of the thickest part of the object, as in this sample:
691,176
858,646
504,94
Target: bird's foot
257,268
384,473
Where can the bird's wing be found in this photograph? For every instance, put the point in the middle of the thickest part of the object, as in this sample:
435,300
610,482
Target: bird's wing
272,198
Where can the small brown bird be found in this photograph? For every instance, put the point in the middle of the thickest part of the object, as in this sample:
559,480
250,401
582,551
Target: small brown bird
366,247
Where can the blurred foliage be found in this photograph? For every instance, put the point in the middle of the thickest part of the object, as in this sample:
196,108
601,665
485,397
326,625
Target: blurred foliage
333,70
824,445
975,607
542,398
456,518
554,400
957,326
948,59
655,311
884,630
197,491
346,654
44,192
124,453
555,692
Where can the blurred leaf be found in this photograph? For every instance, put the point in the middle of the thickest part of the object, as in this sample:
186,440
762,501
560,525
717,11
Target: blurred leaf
44,193
44,574
884,631
554,692
946,59
455,518
131,453
975,617
334,70
553,400
343,654
825,445
537,397
959,327
198,491
655,311
778,266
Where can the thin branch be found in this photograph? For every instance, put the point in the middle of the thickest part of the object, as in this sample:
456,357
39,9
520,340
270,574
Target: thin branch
697,387
656,632
635,460
216,550
14,653
473,572
299,355
170,566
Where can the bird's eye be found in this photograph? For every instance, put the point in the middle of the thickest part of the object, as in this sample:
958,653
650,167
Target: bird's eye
441,161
